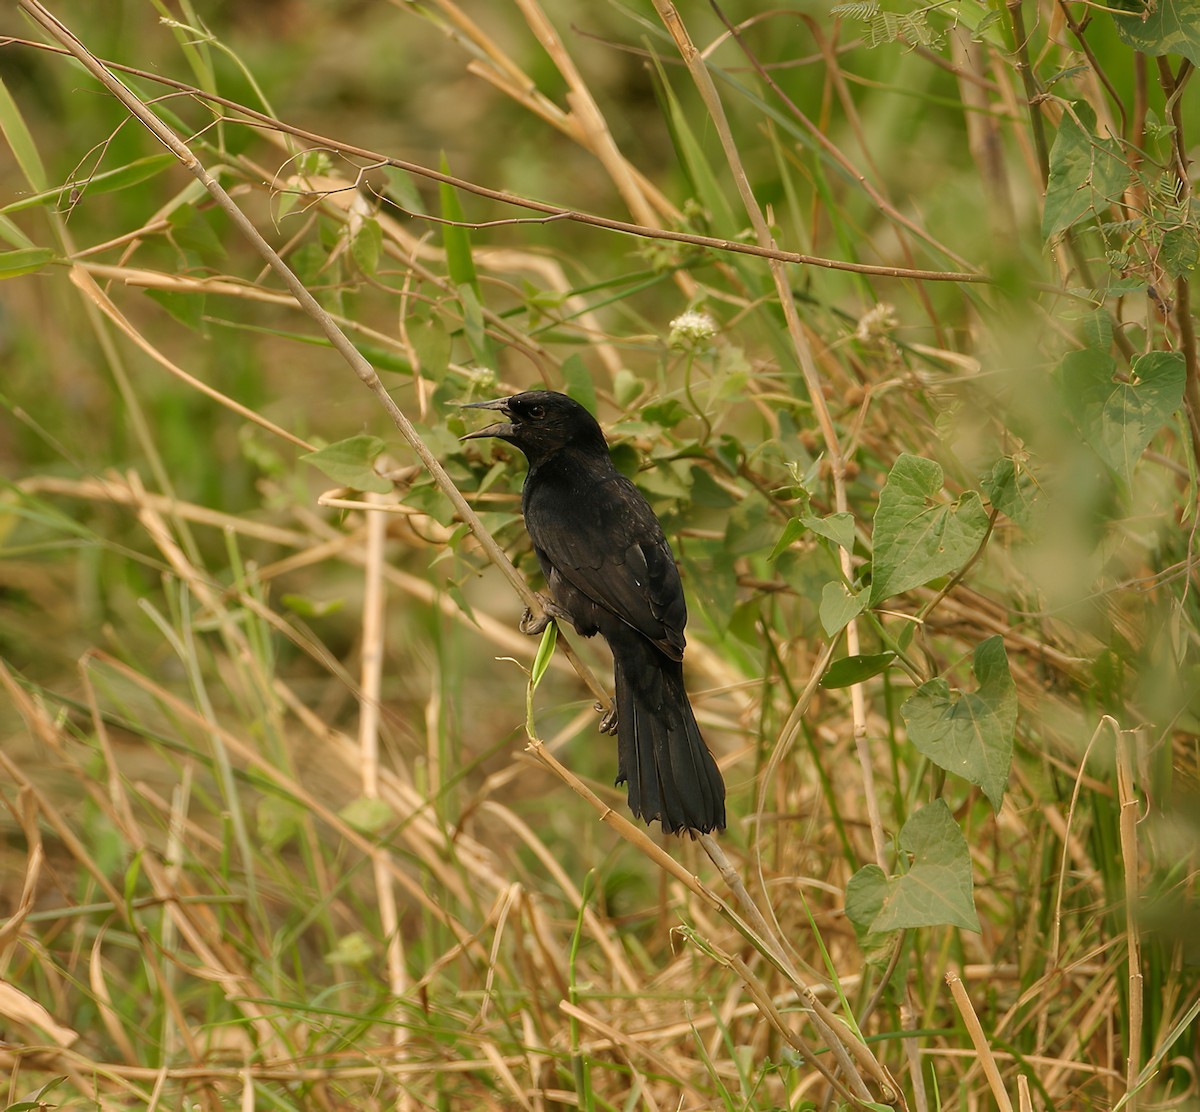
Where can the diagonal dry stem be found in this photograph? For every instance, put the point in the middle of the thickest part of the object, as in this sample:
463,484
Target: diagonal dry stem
337,338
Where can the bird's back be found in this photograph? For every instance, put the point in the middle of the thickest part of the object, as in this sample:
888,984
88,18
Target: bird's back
593,527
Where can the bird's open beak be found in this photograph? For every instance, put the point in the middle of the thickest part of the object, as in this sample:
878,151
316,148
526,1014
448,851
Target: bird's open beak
500,428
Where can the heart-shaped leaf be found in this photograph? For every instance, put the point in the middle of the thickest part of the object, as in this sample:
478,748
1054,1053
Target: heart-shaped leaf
839,605
936,890
349,462
1086,172
838,528
1010,490
916,539
1119,419
969,733
1164,28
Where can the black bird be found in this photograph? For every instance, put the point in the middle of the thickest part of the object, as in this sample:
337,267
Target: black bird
610,571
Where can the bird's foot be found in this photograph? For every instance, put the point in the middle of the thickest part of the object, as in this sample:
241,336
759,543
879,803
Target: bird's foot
608,724
531,625
551,612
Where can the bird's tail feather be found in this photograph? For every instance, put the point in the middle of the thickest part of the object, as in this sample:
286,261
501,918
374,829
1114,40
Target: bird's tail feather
672,776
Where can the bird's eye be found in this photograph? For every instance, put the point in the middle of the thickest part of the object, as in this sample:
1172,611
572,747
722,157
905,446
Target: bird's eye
537,412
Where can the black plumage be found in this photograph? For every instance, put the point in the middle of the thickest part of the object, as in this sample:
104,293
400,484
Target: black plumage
610,570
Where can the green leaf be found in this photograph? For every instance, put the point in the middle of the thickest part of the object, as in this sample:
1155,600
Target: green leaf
545,654
311,607
1010,490
427,497
1162,27
308,261
133,874
839,605
12,234
402,188
713,580
865,894
1097,329
277,821
937,889
187,308
457,240
351,949
749,526
697,165
24,261
367,245
349,463
838,528
455,591
1119,419
792,532
707,492
1180,250
314,163
191,231
969,733
667,413
36,1101
12,123
433,345
627,387
461,264
105,181
473,325
1085,172
854,669
368,814
578,381
626,459
916,539
541,662
285,201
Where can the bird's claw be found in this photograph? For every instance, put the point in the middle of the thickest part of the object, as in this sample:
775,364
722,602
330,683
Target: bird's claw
608,724
531,625
551,612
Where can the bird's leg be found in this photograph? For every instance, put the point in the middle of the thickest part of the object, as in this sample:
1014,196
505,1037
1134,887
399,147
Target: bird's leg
551,612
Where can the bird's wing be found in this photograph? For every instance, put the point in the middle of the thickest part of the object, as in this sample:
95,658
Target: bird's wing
609,546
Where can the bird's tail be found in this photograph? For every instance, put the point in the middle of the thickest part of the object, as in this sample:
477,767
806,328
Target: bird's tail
672,776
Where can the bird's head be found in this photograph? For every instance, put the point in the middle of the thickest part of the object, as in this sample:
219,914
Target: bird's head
540,423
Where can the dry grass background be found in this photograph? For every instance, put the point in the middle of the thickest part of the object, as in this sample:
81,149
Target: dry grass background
283,830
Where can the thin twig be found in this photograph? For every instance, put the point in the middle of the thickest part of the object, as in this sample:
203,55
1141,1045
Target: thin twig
1032,92
1172,86
1077,29
1130,860
374,609
623,227
979,1040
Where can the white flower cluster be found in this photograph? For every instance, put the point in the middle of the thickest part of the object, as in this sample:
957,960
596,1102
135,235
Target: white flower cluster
691,330
875,324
